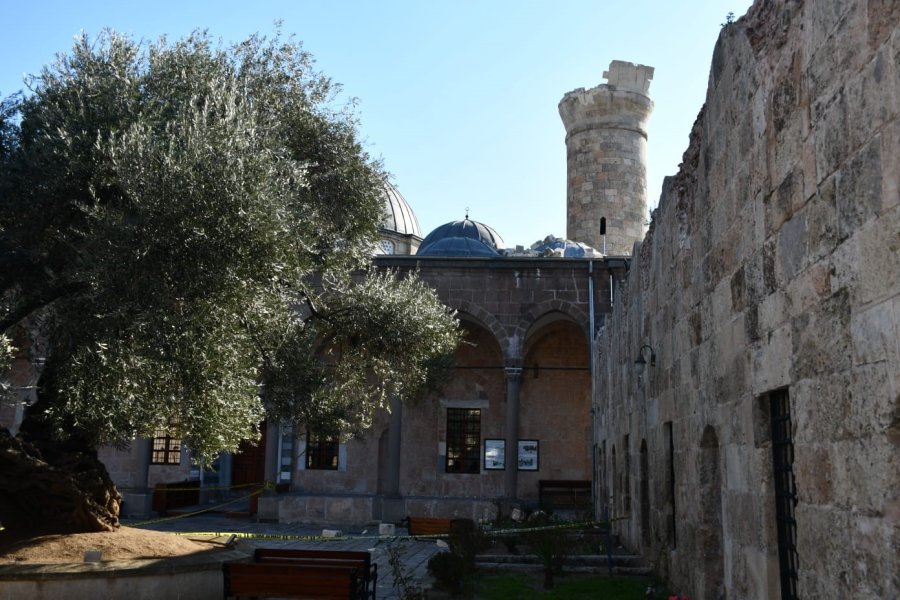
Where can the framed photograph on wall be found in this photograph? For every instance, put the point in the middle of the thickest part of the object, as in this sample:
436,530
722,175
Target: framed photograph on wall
494,455
528,455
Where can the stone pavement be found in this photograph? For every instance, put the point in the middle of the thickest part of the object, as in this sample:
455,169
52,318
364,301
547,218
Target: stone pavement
414,558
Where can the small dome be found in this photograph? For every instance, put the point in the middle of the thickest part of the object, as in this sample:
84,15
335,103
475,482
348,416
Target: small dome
398,216
462,238
554,246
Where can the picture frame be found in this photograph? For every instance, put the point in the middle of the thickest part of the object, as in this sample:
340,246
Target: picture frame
494,455
529,455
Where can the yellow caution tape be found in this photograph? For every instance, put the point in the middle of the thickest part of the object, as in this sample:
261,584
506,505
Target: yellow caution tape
342,538
198,512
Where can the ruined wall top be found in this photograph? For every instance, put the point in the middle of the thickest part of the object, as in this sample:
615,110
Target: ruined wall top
629,76
621,76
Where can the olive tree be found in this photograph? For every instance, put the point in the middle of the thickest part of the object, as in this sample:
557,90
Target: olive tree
188,227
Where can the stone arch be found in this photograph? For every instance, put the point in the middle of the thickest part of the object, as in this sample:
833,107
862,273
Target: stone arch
555,396
709,532
481,349
645,494
533,315
488,321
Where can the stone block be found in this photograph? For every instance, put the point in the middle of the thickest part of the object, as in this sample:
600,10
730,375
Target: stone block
873,407
781,204
812,468
821,338
737,466
870,97
762,572
823,572
858,189
349,510
837,43
866,472
821,221
879,256
890,153
809,288
772,360
831,133
268,508
873,573
874,334
819,408
791,250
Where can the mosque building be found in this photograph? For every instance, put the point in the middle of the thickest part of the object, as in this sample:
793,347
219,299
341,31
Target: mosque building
514,423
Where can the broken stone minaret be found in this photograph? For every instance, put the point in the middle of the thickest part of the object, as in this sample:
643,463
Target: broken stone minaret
606,147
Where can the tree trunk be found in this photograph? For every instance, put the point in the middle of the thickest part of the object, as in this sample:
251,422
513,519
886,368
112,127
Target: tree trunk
53,486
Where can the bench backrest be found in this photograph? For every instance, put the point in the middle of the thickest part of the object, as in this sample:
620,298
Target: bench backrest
429,526
366,570
264,553
323,582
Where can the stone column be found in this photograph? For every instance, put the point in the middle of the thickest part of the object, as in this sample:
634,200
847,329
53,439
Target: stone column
511,474
395,437
225,467
393,508
267,502
139,499
272,452
606,148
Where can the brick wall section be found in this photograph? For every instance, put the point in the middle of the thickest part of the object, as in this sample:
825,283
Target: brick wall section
529,313
508,295
773,262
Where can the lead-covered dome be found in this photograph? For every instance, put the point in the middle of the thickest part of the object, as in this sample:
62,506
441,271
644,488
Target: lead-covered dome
399,232
462,238
398,216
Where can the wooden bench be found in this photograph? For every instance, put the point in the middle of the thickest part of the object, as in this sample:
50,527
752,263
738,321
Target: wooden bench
278,580
168,496
366,570
426,526
564,494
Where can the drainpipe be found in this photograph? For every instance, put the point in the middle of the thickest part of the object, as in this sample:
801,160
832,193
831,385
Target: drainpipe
591,371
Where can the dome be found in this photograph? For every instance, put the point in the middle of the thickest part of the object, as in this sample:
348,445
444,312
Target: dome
554,246
398,216
462,238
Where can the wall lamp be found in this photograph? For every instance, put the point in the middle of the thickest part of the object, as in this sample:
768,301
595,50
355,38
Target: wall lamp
640,362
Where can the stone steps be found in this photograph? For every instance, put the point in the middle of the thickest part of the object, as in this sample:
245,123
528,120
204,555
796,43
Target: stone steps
623,564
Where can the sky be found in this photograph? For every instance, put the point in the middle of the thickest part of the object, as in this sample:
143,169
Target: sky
457,98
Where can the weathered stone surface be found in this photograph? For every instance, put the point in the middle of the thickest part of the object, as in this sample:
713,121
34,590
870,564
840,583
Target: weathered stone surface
606,142
788,201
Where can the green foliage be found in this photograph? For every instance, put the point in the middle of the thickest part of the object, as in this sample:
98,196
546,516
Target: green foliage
404,582
168,210
550,544
454,571
6,356
521,586
450,572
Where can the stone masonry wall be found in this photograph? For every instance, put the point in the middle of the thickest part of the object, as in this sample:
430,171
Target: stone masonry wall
771,266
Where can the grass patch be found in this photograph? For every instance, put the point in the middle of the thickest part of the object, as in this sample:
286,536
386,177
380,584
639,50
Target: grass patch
525,586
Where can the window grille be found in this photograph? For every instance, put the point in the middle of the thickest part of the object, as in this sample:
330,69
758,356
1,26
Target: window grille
166,449
322,451
785,492
463,440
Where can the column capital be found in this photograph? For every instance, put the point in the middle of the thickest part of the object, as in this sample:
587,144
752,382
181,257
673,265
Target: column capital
512,372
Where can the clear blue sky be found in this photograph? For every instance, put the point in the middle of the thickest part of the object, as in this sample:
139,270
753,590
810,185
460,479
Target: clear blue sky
459,98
